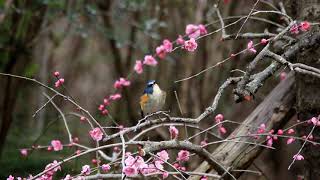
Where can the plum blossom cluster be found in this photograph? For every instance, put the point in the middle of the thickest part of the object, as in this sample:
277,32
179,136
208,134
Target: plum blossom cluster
86,170
107,101
118,84
122,82
300,27
183,156
218,119
271,137
50,170
192,32
136,165
163,49
59,81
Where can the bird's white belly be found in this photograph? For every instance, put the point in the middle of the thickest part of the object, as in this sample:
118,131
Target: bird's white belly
156,101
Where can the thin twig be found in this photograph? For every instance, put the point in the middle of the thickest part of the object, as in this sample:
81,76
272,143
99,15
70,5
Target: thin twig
255,4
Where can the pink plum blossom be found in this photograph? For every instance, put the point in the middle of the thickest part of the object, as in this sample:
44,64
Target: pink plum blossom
298,157
174,132
219,118
222,130
290,131
280,132
305,26
161,52
315,121
269,141
183,155
165,174
106,102
57,84
283,76
150,60
101,107
68,177
122,82
105,167
57,145
86,170
167,45
250,47
138,67
290,140
158,165
204,178
83,119
180,40
56,73
61,80
139,162
163,155
190,45
54,167
192,31
262,128
130,170
94,161
264,41
202,29
105,112
24,152
96,134
152,168
10,177
115,96
294,29
129,161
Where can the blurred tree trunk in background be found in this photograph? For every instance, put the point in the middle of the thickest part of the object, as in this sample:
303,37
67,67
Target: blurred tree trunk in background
122,67
25,26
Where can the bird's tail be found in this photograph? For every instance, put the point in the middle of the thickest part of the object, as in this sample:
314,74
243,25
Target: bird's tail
142,114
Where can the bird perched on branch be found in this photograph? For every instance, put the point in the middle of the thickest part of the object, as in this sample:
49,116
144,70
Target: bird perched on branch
153,98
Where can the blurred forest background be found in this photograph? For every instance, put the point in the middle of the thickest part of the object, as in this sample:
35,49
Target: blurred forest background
93,43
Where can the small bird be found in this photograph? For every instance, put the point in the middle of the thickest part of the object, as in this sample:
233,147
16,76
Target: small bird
153,98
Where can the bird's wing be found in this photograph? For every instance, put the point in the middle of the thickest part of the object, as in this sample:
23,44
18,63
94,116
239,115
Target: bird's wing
143,101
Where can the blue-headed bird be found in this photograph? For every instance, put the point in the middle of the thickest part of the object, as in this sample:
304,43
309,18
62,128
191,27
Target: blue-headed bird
153,98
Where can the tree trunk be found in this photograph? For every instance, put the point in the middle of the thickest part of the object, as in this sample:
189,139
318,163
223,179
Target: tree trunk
308,91
18,53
